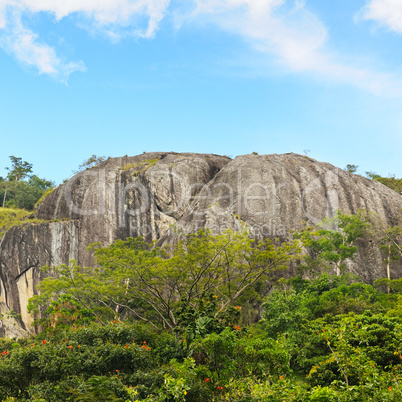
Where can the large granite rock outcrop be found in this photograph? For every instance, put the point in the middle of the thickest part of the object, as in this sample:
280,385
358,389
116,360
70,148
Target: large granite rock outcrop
149,194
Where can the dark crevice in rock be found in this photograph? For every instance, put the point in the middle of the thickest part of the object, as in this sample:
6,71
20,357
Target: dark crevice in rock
25,271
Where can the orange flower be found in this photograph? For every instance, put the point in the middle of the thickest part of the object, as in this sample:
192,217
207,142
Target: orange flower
207,380
390,388
281,377
70,347
117,371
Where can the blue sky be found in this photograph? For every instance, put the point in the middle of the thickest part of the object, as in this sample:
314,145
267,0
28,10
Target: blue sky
117,77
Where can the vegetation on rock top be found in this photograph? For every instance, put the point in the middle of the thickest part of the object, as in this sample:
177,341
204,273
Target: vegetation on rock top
10,217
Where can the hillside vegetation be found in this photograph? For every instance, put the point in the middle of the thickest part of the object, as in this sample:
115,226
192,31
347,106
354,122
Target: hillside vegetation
326,339
10,217
212,320
21,188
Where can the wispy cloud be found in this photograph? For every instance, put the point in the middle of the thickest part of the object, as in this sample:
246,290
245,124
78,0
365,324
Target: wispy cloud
115,18
23,44
385,12
291,35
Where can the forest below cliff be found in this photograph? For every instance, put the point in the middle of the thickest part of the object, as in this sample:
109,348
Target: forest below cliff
215,317
214,320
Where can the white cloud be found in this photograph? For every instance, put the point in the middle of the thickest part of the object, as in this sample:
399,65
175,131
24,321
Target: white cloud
108,14
284,31
23,44
385,12
292,36
113,17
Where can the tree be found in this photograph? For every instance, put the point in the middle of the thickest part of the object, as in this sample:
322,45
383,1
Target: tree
372,175
284,311
22,194
334,239
22,189
389,239
391,181
19,169
4,195
91,162
351,168
41,184
144,282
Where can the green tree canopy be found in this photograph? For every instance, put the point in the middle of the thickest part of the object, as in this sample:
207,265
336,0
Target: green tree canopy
91,162
334,240
135,279
392,182
19,169
351,168
22,189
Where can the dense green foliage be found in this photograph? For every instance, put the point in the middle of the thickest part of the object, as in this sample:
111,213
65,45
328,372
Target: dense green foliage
333,241
331,338
351,168
135,280
10,217
22,189
391,181
149,324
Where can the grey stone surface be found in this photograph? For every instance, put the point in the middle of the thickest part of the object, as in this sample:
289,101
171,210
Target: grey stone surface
157,194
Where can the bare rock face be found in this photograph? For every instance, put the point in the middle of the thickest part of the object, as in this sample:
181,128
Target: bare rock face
149,194
276,194
23,251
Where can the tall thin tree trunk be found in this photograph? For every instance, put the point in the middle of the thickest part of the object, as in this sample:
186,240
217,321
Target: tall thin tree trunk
4,198
388,267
